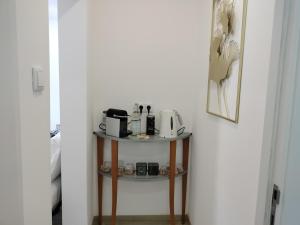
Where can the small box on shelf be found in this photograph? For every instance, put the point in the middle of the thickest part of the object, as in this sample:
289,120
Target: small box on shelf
141,169
153,169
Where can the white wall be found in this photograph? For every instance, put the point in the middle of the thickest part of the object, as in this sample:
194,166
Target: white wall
33,45
75,125
144,51
11,212
226,157
25,167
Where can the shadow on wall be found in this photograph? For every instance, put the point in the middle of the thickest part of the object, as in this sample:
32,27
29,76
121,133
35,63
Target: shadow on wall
64,6
204,161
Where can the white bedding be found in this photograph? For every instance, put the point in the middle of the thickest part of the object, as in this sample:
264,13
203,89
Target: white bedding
55,157
56,192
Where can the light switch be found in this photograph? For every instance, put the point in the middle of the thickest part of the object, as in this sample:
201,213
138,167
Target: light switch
37,79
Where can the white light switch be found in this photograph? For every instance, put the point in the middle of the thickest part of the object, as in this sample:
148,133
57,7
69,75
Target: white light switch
37,81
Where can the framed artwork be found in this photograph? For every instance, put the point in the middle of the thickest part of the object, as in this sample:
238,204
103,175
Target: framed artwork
226,58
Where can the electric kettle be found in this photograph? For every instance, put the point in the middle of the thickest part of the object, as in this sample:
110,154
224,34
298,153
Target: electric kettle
171,124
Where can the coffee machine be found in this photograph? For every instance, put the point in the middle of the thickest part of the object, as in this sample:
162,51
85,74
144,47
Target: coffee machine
116,123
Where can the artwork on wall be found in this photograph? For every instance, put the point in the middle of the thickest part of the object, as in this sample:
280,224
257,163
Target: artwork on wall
226,58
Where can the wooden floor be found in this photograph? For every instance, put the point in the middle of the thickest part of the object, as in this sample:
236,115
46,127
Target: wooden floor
141,220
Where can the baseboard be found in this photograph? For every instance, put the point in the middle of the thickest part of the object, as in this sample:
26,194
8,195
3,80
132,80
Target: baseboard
146,218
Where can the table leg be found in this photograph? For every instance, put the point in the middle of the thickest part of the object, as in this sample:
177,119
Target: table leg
172,180
114,174
185,164
100,154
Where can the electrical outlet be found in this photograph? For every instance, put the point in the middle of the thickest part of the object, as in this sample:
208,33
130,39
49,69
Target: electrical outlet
145,106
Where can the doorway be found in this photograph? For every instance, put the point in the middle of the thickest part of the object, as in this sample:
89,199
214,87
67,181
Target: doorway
55,138
283,203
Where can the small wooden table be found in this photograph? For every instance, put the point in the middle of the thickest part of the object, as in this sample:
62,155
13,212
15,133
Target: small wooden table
185,137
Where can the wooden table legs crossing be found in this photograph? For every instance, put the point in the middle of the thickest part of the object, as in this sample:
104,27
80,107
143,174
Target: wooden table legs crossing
114,175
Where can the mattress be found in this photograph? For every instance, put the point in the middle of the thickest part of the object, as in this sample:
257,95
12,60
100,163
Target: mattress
56,192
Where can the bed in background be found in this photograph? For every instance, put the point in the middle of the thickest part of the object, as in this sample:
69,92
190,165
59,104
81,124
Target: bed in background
55,169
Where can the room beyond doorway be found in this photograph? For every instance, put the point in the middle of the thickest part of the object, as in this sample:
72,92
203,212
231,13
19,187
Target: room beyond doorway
55,146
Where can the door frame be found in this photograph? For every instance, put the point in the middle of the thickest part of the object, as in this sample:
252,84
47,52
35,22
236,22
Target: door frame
280,98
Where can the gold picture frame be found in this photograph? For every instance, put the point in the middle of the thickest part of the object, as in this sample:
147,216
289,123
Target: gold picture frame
226,58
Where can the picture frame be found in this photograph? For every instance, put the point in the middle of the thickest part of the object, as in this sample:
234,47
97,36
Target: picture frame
226,58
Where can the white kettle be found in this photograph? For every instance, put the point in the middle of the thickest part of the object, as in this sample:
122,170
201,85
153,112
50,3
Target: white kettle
171,124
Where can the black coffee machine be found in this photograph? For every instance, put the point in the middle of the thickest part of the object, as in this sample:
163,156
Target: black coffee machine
116,123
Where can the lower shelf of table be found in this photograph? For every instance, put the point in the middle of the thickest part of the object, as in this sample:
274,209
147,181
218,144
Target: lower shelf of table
140,178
